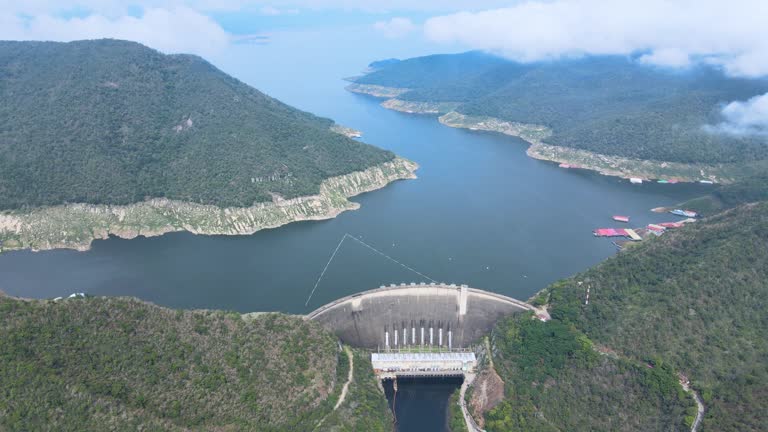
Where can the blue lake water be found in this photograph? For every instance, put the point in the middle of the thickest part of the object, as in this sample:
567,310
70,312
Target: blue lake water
481,213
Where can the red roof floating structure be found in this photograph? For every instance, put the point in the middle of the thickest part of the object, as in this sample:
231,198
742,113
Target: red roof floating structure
610,232
656,228
621,218
616,232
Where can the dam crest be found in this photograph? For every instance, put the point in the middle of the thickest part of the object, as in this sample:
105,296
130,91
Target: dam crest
417,317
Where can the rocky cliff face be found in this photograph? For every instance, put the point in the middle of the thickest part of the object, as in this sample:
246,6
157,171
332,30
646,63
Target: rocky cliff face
74,226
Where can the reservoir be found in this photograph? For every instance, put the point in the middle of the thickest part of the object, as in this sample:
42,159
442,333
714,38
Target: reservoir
481,213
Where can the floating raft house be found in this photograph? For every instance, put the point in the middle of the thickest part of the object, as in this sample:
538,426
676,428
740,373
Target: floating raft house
617,232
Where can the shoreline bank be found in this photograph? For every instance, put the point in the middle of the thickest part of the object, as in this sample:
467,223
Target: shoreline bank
535,135
75,226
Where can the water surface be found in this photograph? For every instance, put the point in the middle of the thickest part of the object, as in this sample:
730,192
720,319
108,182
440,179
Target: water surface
481,213
421,404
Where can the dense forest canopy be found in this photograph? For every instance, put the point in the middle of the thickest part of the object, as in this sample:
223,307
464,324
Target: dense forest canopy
124,365
114,122
695,298
555,379
608,105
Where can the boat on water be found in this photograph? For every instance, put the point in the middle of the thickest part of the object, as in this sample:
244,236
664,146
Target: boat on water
706,182
684,213
635,180
621,218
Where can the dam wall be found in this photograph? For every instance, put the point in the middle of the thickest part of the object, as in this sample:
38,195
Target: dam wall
403,316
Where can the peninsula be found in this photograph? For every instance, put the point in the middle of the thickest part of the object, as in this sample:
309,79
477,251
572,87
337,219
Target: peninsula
109,137
609,114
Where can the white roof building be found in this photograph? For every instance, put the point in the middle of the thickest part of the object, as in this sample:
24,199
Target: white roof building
419,363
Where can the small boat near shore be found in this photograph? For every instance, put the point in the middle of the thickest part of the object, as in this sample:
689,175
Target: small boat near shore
624,219
684,213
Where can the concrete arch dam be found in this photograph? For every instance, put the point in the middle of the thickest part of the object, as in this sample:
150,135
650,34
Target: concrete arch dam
416,315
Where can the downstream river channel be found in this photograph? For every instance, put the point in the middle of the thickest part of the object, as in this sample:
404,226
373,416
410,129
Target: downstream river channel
481,213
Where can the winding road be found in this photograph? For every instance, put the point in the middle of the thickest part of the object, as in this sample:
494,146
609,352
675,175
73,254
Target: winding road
350,376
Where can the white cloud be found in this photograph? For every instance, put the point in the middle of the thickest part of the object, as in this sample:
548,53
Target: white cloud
178,30
119,7
273,11
671,57
395,28
745,118
115,8
733,34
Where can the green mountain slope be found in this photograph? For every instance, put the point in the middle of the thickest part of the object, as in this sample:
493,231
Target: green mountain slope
695,298
749,189
114,122
122,364
607,105
557,380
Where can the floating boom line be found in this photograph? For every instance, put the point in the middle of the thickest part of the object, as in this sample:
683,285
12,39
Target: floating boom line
390,258
335,251
325,268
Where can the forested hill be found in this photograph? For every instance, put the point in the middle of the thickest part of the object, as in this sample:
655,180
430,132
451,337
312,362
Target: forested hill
120,364
115,122
695,298
607,105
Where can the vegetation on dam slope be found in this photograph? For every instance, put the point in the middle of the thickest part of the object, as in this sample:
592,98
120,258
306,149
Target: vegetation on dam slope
121,364
555,379
695,298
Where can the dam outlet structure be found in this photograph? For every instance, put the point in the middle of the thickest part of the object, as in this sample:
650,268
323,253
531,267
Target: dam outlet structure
418,329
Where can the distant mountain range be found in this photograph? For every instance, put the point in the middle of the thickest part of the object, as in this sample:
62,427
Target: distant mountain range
612,106
115,122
